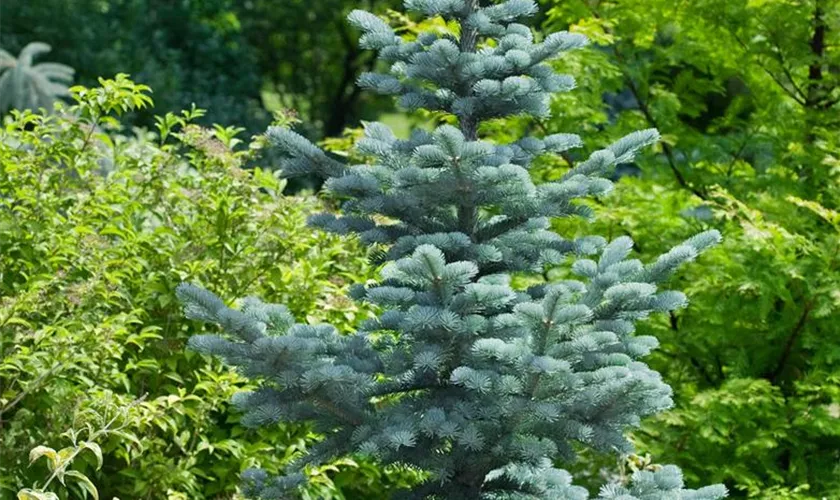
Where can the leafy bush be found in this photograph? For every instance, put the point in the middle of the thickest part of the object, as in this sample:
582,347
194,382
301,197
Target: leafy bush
96,230
749,108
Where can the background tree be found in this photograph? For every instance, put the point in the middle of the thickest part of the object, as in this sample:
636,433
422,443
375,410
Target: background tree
97,228
747,94
477,381
310,58
25,84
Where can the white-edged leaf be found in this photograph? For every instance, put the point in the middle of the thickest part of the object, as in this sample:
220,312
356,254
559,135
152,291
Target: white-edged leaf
96,451
40,451
53,457
27,494
84,482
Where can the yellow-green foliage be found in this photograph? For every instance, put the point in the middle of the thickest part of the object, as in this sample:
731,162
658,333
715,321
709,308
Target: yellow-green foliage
96,231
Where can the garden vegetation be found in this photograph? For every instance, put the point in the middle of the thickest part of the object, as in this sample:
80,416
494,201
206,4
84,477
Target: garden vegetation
108,203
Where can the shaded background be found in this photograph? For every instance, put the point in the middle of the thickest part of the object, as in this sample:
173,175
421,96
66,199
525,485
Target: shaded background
237,59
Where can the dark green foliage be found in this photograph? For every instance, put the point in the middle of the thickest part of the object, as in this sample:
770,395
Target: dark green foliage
222,54
309,57
188,52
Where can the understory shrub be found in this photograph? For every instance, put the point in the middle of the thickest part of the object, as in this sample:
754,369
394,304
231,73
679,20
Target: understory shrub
97,227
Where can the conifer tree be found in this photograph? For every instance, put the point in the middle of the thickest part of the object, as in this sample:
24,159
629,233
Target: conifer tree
485,387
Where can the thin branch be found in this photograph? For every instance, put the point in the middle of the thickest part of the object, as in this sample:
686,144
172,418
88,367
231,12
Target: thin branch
666,148
792,93
737,155
781,57
674,323
645,109
786,351
28,389
395,391
335,410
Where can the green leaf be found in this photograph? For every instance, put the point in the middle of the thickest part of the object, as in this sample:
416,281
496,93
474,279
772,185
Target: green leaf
84,482
96,451
40,451
27,494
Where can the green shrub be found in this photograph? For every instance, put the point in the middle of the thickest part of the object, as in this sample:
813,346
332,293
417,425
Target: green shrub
96,231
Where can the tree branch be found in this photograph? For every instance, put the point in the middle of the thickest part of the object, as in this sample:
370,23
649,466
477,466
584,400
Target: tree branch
666,148
788,348
643,106
674,322
790,92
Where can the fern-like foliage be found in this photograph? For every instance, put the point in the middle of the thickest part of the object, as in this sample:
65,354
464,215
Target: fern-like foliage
25,84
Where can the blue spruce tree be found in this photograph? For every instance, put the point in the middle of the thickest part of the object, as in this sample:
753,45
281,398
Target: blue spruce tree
483,386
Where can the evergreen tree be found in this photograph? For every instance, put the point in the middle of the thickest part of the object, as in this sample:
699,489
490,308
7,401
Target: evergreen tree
483,385
27,85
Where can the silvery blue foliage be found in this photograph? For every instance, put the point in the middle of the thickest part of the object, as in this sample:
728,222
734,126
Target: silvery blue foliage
484,386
